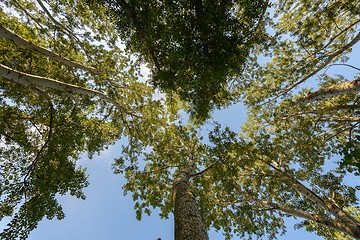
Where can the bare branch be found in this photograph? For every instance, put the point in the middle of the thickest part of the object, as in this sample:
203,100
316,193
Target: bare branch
344,64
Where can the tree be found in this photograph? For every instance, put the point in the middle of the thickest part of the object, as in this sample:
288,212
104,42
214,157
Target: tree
57,106
63,93
310,41
313,126
244,187
195,49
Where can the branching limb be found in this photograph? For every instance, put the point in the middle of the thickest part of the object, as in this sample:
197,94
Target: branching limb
205,170
324,64
335,90
5,33
57,23
323,110
46,143
32,80
331,207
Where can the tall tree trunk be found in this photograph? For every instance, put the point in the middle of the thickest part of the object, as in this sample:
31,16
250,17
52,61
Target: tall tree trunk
188,221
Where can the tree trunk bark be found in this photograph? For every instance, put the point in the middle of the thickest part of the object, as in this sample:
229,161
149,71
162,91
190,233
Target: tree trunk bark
338,89
188,221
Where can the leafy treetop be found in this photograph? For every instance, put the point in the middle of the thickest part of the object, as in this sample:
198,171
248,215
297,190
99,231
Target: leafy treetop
196,49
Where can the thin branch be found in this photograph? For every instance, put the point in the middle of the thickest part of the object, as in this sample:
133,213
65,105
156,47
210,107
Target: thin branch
350,229
66,30
31,17
344,64
341,119
331,207
323,110
337,35
51,121
205,170
339,132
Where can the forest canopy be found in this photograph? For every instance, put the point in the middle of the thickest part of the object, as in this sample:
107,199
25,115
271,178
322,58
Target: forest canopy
196,49
70,83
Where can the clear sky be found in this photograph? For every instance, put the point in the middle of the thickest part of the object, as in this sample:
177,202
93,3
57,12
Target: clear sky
107,214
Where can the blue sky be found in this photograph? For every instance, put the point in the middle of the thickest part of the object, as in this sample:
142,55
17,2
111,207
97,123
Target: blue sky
108,215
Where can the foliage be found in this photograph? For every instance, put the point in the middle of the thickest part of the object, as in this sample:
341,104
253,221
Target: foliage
311,41
351,153
196,49
245,185
45,131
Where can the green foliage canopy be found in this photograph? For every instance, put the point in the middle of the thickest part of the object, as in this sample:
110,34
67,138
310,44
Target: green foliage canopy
313,38
196,49
45,130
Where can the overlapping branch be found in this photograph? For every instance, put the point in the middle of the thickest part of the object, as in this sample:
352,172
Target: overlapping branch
335,90
33,80
7,34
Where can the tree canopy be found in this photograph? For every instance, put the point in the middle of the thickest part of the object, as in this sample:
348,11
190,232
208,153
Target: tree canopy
68,87
280,95
196,49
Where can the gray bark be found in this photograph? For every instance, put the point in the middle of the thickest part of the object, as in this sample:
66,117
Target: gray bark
188,221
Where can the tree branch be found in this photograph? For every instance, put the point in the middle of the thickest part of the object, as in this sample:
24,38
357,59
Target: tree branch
324,64
205,170
7,34
351,229
330,206
344,64
32,80
324,110
65,29
335,90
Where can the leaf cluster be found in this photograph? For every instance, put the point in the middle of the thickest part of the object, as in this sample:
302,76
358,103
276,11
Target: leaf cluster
194,48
